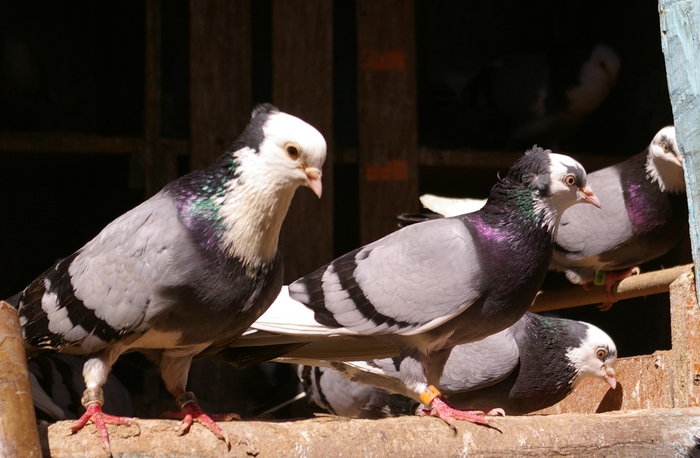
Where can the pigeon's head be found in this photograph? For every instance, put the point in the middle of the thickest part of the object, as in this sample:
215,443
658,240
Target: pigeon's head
558,180
290,150
595,356
664,161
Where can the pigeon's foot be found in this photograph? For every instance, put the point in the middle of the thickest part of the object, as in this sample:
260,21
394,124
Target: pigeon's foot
610,279
190,411
92,400
439,408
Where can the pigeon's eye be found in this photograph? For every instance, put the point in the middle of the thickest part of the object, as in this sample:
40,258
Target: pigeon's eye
570,179
292,150
665,147
602,353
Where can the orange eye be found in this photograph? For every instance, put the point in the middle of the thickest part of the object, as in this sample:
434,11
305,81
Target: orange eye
292,151
570,179
602,353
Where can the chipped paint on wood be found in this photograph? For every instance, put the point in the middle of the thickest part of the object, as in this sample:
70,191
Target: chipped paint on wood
679,22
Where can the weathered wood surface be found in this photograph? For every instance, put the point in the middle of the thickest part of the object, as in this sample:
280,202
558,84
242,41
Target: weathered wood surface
680,23
635,286
18,434
220,76
658,433
386,93
302,67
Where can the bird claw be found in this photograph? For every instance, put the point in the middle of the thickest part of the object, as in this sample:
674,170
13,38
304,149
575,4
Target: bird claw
93,413
191,412
448,414
496,412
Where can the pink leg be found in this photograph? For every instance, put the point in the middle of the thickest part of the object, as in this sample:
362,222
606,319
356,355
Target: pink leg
439,408
93,400
190,411
611,279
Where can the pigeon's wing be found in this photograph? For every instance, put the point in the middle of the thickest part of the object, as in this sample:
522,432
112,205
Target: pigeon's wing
408,282
106,289
586,231
482,363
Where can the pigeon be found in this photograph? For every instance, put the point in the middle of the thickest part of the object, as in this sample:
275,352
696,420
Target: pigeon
527,367
184,272
540,96
425,288
644,215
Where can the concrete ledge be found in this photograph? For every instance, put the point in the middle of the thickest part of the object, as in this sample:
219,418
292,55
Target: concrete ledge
654,432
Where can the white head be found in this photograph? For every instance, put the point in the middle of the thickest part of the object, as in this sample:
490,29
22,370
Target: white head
565,186
595,357
664,162
294,150
279,153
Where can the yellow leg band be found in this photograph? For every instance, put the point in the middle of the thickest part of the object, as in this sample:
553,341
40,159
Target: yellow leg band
427,396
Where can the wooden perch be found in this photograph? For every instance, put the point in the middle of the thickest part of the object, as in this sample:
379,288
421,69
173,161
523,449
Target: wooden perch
657,432
635,286
18,434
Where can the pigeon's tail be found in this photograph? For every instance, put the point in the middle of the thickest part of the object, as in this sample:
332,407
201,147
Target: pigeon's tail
244,357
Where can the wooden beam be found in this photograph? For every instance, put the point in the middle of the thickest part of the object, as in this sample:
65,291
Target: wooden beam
680,22
220,76
159,164
645,284
659,432
387,153
302,63
18,433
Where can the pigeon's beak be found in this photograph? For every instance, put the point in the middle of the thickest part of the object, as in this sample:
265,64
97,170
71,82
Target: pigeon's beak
610,376
587,195
313,180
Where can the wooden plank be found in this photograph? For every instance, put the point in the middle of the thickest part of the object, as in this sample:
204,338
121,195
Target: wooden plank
69,142
387,153
302,62
159,166
220,76
680,22
18,433
649,433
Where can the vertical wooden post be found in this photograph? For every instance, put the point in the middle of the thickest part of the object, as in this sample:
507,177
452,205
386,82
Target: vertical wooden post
680,22
220,76
302,64
387,153
19,435
160,166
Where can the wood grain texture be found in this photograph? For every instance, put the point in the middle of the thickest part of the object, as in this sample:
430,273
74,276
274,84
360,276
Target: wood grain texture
220,76
680,22
654,432
302,85
388,151
18,433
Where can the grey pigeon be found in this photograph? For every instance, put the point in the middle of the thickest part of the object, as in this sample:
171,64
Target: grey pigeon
184,272
527,367
428,287
644,214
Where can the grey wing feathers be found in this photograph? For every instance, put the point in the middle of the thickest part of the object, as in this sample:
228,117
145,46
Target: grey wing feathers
481,363
107,288
419,275
595,236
